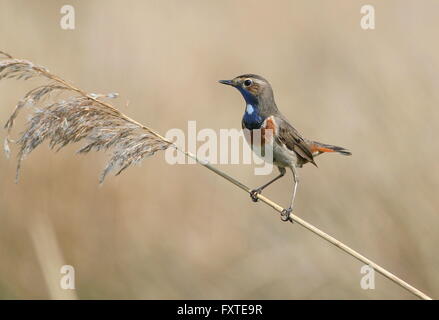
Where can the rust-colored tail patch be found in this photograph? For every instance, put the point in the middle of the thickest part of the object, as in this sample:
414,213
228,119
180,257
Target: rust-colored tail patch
317,148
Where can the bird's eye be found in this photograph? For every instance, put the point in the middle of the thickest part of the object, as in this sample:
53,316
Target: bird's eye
248,82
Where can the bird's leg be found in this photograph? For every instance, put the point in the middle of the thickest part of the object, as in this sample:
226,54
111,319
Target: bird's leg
254,193
285,215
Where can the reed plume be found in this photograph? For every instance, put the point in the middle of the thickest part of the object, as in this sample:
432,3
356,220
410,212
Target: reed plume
75,117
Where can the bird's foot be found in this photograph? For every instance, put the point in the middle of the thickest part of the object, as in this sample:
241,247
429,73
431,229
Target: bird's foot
254,194
285,214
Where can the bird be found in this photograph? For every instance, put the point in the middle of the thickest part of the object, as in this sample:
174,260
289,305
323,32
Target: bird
289,148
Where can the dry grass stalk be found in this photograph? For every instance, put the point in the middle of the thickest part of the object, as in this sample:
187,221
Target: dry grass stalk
49,255
85,116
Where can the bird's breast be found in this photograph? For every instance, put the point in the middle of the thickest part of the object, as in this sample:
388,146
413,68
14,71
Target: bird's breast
263,134
263,137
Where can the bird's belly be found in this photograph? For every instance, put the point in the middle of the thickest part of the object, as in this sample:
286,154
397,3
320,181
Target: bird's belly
259,142
280,155
283,157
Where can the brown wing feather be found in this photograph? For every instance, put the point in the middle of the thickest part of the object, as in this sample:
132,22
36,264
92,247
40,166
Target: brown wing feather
294,141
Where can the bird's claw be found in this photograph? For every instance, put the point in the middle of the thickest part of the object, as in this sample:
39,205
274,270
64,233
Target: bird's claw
285,214
254,194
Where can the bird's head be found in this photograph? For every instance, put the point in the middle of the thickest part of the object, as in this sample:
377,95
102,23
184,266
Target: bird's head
253,88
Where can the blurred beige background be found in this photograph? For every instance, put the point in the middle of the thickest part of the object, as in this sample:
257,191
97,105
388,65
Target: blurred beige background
181,232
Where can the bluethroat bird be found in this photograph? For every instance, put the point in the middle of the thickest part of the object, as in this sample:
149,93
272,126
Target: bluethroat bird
289,148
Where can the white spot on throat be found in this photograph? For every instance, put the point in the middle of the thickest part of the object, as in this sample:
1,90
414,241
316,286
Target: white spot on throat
249,109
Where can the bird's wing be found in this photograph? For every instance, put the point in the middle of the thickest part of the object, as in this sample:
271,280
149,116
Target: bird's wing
294,141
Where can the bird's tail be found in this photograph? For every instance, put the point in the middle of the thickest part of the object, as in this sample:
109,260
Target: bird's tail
318,148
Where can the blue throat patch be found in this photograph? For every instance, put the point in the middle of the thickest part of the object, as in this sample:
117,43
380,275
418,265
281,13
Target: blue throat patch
252,119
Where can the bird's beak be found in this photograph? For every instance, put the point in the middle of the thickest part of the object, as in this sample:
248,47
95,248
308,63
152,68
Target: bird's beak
227,82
